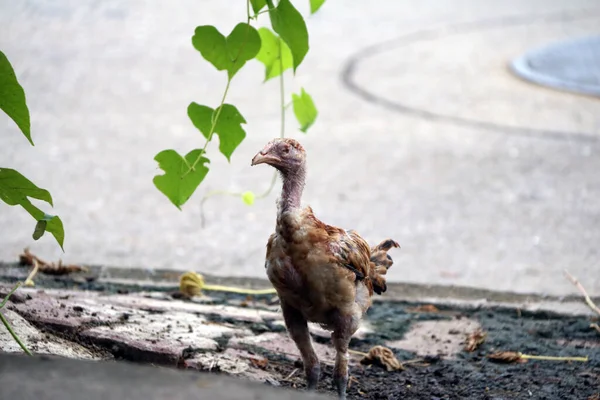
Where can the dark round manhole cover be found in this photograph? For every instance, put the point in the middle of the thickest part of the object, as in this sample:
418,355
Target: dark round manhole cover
573,65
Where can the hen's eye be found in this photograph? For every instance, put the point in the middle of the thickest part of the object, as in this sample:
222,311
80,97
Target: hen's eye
286,150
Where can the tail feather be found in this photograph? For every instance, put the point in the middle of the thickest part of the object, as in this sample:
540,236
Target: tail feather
381,261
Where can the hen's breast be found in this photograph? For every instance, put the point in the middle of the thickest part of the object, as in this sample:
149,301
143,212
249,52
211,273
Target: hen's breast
301,267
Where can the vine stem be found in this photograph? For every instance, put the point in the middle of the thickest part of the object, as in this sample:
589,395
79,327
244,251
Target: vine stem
262,12
29,282
552,358
586,296
14,335
215,116
271,186
281,91
282,131
14,289
283,107
208,196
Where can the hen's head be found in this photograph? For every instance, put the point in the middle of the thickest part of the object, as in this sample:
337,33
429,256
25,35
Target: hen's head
287,155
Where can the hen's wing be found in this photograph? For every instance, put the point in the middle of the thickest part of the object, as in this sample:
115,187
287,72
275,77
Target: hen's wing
369,264
319,244
350,251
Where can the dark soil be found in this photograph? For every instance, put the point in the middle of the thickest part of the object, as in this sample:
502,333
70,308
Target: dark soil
473,375
466,380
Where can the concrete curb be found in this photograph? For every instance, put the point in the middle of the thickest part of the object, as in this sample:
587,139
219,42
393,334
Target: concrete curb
145,279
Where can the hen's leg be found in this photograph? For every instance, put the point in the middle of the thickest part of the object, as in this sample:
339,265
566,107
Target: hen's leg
340,370
345,328
298,329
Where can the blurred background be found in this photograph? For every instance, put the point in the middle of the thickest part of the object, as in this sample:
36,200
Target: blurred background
424,135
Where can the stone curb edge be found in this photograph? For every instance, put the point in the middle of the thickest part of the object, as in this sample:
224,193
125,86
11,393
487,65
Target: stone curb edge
148,279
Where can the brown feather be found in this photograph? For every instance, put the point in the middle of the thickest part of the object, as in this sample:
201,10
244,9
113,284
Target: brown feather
307,262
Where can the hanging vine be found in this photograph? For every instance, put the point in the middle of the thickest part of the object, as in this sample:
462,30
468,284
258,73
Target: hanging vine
281,47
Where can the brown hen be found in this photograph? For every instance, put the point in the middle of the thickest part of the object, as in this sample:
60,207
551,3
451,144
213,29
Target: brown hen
322,274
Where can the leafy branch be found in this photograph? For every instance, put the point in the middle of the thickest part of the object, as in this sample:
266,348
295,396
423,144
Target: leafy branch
15,189
282,48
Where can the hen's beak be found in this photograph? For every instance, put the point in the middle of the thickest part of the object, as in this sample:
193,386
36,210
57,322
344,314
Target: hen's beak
262,158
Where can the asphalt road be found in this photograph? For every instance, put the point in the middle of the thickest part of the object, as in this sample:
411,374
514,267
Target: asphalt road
423,135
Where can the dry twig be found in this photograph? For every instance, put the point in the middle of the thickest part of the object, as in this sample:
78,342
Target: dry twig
28,258
515,356
424,308
475,339
192,284
351,380
580,287
506,357
358,353
384,357
287,378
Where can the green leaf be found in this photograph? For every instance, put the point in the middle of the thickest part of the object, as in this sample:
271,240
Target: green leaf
50,223
15,189
315,5
177,183
227,53
40,228
228,126
248,197
290,25
271,45
304,109
54,225
258,5
12,97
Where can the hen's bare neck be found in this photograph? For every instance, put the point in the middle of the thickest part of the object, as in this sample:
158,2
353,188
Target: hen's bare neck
293,185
